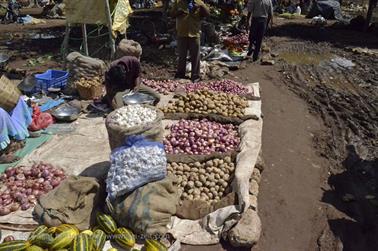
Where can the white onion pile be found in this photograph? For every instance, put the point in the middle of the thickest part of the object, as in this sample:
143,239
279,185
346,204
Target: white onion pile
21,187
201,137
161,86
133,115
225,85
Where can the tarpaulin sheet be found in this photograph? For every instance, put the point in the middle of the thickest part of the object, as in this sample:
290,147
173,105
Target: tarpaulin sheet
85,12
30,145
121,16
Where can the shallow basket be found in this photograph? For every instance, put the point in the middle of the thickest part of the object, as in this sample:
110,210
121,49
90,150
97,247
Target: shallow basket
92,92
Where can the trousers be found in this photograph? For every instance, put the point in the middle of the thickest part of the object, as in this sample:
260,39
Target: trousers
256,34
191,44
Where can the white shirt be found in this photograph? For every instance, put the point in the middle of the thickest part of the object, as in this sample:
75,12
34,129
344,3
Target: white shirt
260,8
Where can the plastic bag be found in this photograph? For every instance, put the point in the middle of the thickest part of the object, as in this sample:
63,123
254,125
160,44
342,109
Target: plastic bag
135,164
41,120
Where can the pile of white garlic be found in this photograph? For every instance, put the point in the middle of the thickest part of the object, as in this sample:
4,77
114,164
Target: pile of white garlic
206,181
133,115
135,166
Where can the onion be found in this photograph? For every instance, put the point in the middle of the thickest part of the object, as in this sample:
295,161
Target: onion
55,182
14,207
45,173
8,238
25,206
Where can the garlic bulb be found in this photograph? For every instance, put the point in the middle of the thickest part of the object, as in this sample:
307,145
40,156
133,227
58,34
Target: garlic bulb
133,115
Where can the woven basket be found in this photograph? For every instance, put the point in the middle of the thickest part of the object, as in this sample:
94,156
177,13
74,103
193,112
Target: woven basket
9,94
91,92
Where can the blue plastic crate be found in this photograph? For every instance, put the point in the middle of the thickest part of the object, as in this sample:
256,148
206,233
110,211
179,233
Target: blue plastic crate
50,79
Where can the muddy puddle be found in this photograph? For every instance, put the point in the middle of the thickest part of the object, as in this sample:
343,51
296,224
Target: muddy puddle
305,58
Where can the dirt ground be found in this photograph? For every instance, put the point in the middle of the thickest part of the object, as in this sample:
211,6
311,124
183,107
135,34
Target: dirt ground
320,186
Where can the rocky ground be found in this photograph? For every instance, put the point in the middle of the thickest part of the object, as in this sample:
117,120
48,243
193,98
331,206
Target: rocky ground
319,188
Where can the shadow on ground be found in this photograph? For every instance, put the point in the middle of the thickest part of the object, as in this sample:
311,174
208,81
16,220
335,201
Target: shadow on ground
355,193
340,37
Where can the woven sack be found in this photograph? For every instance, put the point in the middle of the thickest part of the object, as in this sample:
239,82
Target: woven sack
118,134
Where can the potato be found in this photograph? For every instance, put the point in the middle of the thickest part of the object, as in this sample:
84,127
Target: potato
190,184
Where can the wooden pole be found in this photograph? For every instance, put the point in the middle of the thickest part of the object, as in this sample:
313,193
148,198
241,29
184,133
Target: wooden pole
66,43
109,23
85,39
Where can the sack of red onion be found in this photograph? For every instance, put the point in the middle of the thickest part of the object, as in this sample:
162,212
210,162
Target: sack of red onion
134,120
208,181
225,85
208,102
201,137
21,186
162,86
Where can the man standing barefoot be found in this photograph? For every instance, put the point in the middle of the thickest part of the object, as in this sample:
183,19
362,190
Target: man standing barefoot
188,14
261,12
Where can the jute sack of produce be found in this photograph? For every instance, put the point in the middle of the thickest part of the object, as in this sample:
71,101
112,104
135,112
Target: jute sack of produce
80,66
118,134
129,48
148,209
72,202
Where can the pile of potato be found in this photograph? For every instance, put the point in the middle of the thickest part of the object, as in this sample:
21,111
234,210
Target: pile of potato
208,102
206,181
89,82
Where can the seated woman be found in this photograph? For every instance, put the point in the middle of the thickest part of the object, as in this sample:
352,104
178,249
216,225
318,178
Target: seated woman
13,130
123,77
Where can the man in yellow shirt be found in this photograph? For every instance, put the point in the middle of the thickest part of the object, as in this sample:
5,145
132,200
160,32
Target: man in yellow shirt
188,14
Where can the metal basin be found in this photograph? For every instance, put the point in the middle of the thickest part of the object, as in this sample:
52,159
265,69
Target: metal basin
138,98
66,112
3,59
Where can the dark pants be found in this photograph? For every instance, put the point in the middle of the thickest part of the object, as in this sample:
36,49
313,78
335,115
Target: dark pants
256,34
185,44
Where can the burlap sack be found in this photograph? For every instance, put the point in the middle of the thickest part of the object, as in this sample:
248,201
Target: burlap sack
190,158
118,135
128,48
73,202
80,66
212,117
197,209
147,210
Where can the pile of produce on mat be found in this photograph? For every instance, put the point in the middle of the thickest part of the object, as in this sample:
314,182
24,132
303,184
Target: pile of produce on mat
225,85
129,116
240,39
162,86
21,186
206,181
207,102
201,137
89,82
69,237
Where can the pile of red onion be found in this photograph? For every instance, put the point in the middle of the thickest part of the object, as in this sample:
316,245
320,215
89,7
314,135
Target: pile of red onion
201,137
237,40
161,86
21,187
225,85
